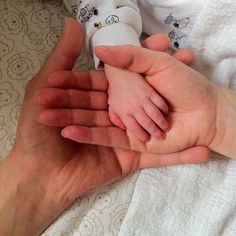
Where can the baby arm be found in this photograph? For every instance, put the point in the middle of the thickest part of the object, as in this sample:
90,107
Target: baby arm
113,22
135,105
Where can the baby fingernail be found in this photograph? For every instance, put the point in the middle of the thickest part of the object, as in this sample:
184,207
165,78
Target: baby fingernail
161,136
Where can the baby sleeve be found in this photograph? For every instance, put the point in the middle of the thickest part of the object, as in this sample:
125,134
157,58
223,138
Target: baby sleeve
107,22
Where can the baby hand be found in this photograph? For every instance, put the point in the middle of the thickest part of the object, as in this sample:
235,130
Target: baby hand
135,105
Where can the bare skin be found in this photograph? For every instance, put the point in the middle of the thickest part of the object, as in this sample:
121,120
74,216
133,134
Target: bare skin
133,104
200,113
44,172
136,103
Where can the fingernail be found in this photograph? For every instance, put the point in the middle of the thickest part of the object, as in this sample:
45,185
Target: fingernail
146,138
64,133
167,129
161,136
166,111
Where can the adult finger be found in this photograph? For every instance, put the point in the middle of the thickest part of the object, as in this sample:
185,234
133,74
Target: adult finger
65,117
136,59
196,154
115,137
71,98
87,80
80,134
184,55
160,42
104,136
66,51
156,42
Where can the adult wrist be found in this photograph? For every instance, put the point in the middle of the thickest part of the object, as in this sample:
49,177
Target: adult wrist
224,141
26,205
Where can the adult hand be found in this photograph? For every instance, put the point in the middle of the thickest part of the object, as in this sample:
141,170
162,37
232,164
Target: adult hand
192,100
44,172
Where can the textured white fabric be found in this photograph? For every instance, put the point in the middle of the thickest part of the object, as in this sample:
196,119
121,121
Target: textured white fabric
196,200
98,15
174,18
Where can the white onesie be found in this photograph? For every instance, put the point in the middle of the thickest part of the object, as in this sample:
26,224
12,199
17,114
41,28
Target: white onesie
117,22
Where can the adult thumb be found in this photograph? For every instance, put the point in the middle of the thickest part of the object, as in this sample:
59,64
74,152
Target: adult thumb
136,59
66,50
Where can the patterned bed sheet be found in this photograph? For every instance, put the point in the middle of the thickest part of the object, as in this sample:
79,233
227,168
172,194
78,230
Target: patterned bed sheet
28,32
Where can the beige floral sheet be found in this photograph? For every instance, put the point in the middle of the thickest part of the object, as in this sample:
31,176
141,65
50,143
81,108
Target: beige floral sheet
28,31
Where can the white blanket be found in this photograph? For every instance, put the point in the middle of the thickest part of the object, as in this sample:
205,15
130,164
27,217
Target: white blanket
194,199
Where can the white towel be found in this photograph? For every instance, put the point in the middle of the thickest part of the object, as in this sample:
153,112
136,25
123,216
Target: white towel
194,199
